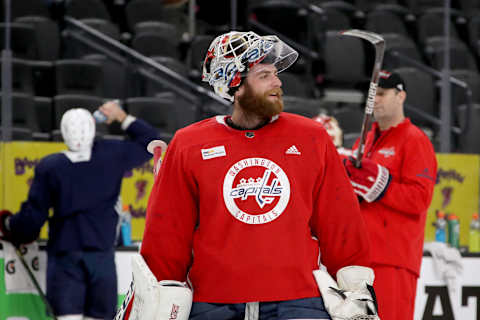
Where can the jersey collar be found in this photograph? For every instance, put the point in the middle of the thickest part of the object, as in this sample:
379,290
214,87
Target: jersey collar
78,156
222,119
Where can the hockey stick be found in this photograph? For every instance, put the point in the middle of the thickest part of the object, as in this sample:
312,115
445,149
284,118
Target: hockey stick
379,44
35,283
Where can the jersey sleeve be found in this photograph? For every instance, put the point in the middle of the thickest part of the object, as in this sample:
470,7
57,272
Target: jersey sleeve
135,151
171,218
26,224
411,189
336,221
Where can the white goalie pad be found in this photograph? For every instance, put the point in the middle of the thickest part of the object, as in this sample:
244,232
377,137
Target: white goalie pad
156,300
353,297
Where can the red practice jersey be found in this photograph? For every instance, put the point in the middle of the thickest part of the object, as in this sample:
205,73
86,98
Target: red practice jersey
396,222
245,214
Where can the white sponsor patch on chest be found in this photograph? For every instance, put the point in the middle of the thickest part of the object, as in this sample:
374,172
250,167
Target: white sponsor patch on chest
387,152
214,152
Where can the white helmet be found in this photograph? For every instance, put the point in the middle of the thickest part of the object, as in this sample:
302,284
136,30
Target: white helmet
78,129
231,55
332,127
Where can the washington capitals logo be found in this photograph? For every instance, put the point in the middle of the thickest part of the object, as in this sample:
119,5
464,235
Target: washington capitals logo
256,190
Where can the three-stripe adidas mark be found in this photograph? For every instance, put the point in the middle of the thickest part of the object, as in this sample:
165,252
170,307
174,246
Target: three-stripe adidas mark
292,150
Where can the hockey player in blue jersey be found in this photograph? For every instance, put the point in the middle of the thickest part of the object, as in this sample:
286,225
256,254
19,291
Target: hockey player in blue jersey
82,185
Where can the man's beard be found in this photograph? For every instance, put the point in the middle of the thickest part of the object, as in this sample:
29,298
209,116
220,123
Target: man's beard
259,104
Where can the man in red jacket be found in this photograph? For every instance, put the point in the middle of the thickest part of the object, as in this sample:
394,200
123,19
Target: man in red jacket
395,183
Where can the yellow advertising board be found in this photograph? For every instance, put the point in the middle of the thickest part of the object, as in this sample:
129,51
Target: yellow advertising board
456,192
136,186
20,159
17,170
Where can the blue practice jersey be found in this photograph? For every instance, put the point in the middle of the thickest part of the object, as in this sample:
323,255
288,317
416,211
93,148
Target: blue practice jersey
82,194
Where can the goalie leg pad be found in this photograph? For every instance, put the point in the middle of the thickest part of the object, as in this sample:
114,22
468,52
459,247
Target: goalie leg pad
156,300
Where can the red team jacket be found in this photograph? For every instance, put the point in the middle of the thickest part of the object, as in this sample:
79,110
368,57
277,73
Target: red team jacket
396,222
245,213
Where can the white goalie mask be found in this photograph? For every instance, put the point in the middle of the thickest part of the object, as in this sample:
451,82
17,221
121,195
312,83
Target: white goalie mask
231,55
78,129
332,127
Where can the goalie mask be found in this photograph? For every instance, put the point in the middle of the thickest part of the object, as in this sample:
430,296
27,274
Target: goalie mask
333,128
78,129
231,55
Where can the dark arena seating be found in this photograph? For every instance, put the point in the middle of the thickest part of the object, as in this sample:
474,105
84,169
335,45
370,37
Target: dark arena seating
148,54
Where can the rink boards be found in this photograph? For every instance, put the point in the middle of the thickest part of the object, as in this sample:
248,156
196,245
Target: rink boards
433,300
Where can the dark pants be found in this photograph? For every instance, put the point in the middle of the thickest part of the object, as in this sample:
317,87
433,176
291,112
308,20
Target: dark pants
309,308
82,283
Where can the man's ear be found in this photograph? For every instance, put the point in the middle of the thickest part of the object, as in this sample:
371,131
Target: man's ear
403,95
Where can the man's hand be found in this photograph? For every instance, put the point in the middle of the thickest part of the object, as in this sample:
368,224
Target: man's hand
5,233
113,112
370,181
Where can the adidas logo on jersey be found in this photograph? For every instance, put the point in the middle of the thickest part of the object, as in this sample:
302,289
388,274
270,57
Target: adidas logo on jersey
292,150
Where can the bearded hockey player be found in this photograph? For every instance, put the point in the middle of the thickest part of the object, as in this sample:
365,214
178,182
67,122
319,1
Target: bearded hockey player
246,206
81,185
